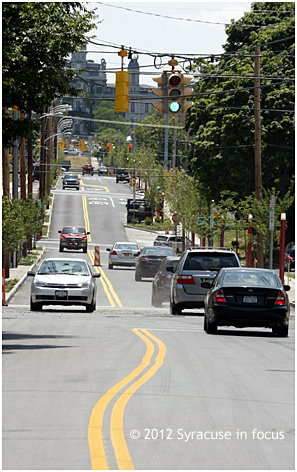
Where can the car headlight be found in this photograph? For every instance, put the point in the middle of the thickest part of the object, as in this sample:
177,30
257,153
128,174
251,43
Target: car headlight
39,284
84,285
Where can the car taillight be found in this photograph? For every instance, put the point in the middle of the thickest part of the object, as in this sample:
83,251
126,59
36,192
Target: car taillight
281,299
144,258
162,279
113,253
138,253
219,296
185,279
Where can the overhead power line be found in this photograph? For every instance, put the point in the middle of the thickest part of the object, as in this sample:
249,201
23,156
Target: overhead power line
191,19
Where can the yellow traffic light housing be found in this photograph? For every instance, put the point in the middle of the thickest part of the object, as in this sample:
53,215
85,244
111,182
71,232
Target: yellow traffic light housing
161,92
122,91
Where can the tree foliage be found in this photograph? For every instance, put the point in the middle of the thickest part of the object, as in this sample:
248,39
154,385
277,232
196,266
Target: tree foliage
222,120
37,37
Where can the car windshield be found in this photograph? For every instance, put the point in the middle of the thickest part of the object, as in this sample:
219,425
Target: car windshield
250,278
74,230
210,261
68,267
69,176
128,247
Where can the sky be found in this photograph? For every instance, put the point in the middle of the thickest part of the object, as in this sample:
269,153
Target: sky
155,34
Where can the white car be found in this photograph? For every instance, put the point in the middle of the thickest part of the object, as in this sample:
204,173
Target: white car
63,282
123,254
169,239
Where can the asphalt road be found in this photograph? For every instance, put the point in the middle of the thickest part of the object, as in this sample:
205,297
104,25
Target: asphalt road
130,386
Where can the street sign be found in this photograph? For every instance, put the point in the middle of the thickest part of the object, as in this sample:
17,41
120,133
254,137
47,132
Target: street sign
271,212
201,221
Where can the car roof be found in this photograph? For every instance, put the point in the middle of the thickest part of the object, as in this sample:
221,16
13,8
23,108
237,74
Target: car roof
208,250
73,226
248,269
125,242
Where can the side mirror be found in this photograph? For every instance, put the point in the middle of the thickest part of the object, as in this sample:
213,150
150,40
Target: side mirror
287,288
205,285
59,231
96,275
31,273
88,232
108,249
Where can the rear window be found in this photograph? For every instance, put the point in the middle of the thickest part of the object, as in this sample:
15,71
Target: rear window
161,238
158,251
242,278
210,261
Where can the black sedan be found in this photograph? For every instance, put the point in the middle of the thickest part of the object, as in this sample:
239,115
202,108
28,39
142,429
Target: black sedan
246,297
149,260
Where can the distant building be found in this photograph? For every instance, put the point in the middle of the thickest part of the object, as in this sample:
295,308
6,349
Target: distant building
93,79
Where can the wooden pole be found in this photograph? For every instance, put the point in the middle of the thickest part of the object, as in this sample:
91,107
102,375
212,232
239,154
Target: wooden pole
258,167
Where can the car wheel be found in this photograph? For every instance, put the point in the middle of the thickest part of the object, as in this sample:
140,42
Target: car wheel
175,309
211,328
61,248
137,276
35,306
90,308
204,325
77,188
85,249
281,331
110,266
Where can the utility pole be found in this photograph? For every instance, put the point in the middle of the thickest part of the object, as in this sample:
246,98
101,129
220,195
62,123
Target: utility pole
42,167
30,165
258,167
23,164
174,144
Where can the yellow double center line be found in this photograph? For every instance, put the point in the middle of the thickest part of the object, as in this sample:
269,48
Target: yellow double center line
95,436
107,286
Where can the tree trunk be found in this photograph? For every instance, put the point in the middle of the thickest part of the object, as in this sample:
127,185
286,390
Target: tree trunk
6,186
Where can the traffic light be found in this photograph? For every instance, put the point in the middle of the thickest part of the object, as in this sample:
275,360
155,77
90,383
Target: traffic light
107,147
177,92
130,147
172,91
122,91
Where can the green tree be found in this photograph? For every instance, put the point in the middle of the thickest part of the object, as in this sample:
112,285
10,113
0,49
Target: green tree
222,154
105,131
37,37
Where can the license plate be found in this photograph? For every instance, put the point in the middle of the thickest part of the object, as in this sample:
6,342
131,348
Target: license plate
249,299
61,293
126,254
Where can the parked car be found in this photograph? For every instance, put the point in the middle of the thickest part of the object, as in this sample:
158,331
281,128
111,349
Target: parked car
88,169
63,282
73,237
290,254
71,180
246,297
170,239
197,266
122,175
162,281
123,254
149,260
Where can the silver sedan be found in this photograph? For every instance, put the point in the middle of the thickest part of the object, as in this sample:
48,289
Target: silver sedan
123,254
63,282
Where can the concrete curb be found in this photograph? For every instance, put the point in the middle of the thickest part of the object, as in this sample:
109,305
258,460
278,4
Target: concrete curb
10,294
